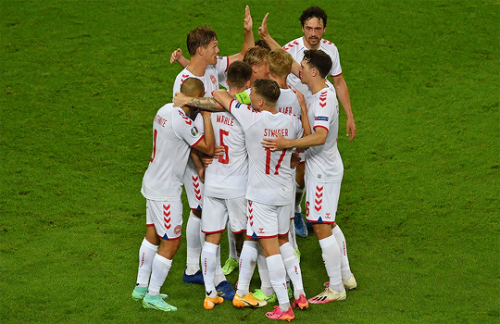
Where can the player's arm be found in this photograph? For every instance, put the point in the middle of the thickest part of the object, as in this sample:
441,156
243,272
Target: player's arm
179,58
223,98
207,144
303,114
206,103
248,37
343,94
280,142
264,33
195,157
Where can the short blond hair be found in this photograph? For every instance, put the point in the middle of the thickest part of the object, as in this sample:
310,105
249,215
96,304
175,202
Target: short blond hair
280,62
255,55
193,87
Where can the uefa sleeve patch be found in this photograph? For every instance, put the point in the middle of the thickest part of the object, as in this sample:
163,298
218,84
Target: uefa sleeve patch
194,131
322,118
238,105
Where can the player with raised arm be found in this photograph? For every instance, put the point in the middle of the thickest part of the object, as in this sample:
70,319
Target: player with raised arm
314,22
324,169
205,65
174,133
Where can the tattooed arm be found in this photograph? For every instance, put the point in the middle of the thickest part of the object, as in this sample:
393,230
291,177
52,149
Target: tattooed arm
208,104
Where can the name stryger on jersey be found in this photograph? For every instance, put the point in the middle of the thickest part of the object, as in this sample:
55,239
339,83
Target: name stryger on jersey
269,132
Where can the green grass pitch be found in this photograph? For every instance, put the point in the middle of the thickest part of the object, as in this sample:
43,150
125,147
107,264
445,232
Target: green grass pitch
82,80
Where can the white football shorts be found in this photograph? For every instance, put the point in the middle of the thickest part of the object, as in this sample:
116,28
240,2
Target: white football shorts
321,201
166,217
267,221
218,211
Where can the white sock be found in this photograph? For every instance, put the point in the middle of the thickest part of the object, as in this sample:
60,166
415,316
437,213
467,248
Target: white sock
299,195
331,257
161,267
232,243
208,263
146,256
248,260
265,281
277,275
219,274
291,262
292,238
193,244
344,268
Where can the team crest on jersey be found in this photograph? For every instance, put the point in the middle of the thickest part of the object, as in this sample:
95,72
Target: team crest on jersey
322,118
214,80
177,229
194,131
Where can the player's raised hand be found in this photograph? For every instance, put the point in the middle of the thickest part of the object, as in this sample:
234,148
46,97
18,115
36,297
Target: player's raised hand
177,54
180,100
248,22
275,143
263,28
351,129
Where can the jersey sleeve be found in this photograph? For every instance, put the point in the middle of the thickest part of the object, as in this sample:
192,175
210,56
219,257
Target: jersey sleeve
324,111
222,65
244,114
178,82
185,128
336,69
199,124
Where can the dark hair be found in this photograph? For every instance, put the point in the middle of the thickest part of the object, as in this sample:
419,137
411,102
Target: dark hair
262,43
200,36
238,74
268,89
318,60
313,12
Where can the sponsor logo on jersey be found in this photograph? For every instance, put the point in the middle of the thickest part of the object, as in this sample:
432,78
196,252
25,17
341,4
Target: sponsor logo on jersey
214,80
194,131
323,118
261,230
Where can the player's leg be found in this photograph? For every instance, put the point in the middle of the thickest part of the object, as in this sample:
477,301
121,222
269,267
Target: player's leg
300,226
194,242
236,228
232,260
147,252
322,214
169,230
347,276
277,275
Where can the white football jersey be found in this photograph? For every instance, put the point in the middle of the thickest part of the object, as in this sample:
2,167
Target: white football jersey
270,178
214,74
288,103
296,48
174,134
227,176
323,162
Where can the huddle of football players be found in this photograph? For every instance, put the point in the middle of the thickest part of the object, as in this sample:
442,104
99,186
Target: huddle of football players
247,135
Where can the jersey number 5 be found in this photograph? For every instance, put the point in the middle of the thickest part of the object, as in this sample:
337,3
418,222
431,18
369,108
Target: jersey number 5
224,159
268,161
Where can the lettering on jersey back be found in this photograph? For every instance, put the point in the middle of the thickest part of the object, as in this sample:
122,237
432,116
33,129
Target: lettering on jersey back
285,110
269,132
225,120
160,120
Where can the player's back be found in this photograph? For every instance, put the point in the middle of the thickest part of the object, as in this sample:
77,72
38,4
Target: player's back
227,176
270,177
288,103
163,178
